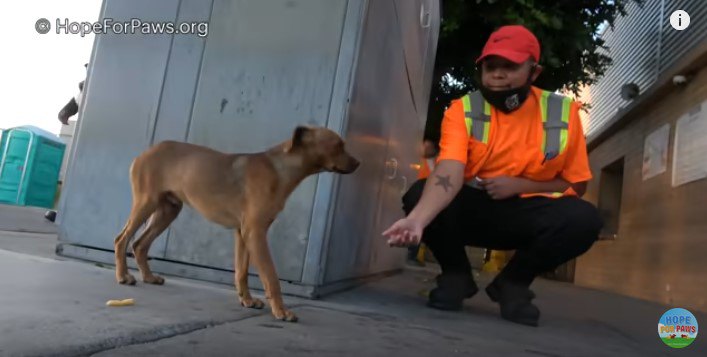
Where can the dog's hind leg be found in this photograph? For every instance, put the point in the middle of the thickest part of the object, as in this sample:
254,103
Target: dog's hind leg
241,277
159,221
141,210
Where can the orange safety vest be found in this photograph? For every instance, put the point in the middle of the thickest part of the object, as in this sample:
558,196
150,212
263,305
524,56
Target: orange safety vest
555,118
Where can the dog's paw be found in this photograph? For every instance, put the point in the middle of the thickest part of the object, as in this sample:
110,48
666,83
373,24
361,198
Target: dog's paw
154,279
127,279
253,303
286,315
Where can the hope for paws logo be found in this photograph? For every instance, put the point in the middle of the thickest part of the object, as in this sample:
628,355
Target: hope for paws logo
677,328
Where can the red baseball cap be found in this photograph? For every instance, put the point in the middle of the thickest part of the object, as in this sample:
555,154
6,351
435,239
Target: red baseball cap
514,43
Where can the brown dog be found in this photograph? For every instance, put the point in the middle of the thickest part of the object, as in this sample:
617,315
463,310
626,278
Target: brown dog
240,191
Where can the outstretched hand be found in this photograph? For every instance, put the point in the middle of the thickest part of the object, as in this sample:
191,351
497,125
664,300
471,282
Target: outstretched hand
404,232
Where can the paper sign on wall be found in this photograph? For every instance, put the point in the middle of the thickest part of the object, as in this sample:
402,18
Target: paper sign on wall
655,152
689,156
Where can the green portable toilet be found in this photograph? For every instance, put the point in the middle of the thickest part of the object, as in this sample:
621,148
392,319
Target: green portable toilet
30,161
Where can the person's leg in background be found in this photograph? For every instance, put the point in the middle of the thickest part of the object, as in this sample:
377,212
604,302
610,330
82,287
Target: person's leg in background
558,230
444,237
412,253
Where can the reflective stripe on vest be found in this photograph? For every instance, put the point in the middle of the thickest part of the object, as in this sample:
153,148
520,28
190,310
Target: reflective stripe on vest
556,115
555,111
477,116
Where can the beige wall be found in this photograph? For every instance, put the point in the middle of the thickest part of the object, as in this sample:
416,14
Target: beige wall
660,253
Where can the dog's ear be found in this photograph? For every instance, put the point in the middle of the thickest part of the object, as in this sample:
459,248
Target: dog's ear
301,136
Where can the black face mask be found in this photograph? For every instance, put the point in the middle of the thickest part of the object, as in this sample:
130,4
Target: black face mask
508,100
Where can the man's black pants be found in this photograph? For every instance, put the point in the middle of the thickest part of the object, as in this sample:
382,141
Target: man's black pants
545,232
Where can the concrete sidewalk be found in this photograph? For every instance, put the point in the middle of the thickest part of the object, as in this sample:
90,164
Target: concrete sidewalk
24,219
55,307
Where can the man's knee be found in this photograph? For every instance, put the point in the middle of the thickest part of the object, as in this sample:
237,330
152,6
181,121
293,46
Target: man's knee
412,196
572,229
587,217
583,220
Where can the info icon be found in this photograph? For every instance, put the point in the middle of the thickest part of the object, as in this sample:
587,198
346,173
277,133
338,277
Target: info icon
680,20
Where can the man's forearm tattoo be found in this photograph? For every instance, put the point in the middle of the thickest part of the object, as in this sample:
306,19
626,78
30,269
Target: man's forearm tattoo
444,182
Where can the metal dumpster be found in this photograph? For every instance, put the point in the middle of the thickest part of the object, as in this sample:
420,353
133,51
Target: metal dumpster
361,68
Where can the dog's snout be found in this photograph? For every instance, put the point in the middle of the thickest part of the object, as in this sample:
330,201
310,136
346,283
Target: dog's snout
354,164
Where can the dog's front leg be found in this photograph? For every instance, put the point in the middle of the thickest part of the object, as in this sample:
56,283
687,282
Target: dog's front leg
257,244
241,276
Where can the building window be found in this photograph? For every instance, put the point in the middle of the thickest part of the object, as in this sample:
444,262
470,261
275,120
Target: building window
610,189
